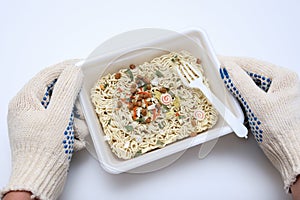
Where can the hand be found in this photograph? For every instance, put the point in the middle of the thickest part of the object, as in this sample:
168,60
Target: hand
40,125
80,128
270,96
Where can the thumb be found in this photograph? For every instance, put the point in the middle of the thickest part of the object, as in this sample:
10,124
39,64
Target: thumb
78,145
80,127
81,133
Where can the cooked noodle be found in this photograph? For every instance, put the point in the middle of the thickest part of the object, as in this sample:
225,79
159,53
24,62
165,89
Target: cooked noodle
148,107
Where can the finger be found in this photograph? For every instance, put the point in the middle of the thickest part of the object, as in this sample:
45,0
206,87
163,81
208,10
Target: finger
80,128
271,78
66,89
33,93
78,145
40,81
252,65
81,133
238,82
285,81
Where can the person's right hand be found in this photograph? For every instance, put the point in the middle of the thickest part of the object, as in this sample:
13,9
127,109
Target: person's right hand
270,96
40,126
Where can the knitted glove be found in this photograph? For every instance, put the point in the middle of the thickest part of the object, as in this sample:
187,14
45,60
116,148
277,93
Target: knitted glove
40,125
80,128
270,96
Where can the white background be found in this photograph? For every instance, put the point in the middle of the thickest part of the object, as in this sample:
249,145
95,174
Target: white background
35,34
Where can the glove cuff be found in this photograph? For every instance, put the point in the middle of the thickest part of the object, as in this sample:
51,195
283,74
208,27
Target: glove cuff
289,175
39,171
291,179
286,160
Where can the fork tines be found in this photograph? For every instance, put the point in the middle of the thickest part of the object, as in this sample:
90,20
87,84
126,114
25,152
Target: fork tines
188,72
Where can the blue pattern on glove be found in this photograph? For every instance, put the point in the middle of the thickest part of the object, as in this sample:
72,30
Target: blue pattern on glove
262,82
68,142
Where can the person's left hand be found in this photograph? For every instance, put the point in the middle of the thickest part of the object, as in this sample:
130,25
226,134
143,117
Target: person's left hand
270,96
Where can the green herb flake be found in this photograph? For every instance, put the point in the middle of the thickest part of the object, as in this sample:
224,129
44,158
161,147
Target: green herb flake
141,120
181,117
138,153
165,109
161,125
160,143
171,93
129,73
129,128
159,74
145,87
106,85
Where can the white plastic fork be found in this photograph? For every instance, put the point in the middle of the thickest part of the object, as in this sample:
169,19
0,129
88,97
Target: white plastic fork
192,78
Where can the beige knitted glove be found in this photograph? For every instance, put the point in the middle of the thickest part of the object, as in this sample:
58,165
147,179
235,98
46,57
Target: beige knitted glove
270,96
80,128
41,133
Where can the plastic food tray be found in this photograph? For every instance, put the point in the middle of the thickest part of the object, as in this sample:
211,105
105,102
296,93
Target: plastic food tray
112,59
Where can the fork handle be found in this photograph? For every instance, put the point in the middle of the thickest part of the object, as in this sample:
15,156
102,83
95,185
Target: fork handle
237,126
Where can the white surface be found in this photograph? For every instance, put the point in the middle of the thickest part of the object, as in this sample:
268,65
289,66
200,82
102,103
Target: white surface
193,40
36,34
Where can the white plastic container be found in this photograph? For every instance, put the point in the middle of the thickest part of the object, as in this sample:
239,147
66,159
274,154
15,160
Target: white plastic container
137,47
